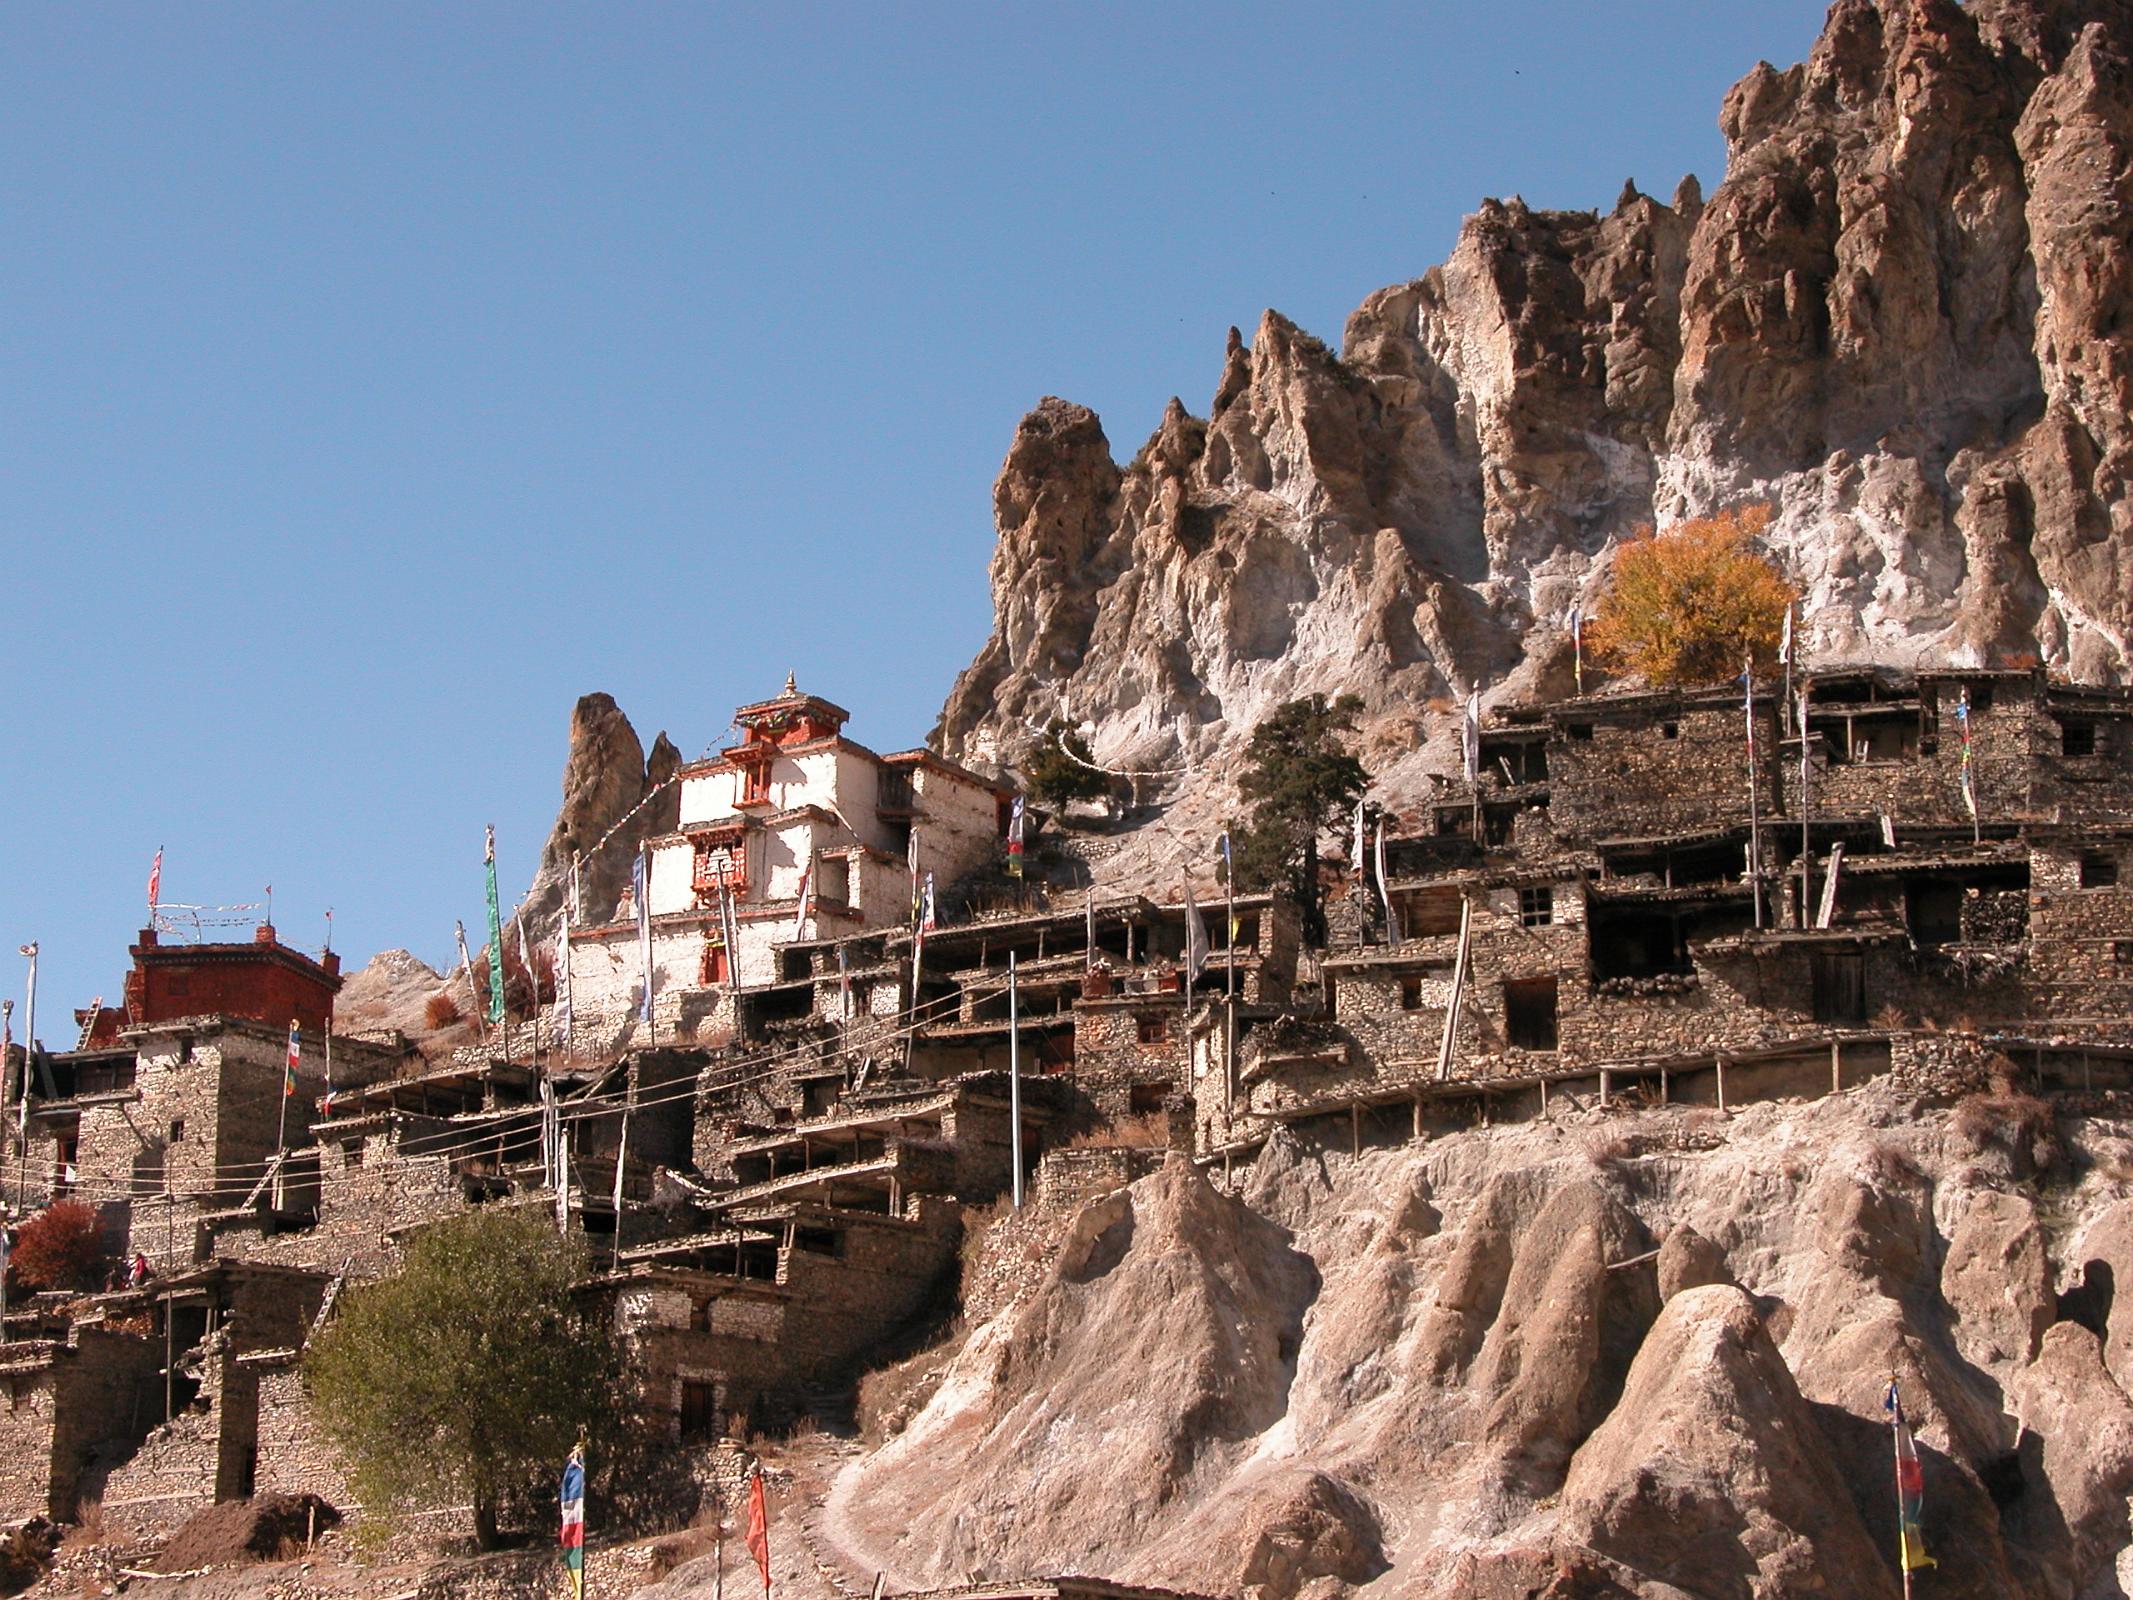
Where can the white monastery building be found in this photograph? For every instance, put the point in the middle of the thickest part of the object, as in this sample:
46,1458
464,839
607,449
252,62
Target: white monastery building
793,797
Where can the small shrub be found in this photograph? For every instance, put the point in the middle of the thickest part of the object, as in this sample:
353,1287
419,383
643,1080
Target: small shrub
442,1010
1890,1165
1146,1132
61,1247
88,1525
2018,1123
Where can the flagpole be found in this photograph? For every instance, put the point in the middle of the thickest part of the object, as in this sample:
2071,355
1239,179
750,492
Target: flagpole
1229,1004
1903,1549
1014,1077
281,1132
1755,825
29,1061
1807,852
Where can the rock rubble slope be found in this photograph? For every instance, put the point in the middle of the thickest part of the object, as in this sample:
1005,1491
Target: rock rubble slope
1633,1357
1900,320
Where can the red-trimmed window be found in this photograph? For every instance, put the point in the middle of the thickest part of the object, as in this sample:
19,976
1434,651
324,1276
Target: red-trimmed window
716,856
713,969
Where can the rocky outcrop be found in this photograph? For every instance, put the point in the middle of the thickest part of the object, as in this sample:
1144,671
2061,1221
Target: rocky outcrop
615,796
1443,1371
1899,321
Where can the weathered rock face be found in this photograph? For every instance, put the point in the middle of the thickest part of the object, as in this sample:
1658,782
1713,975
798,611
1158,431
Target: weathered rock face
1899,321
1443,1371
615,796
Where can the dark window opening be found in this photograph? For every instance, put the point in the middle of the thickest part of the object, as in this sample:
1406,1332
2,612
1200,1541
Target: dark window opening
1529,1012
1579,730
2122,952
1839,986
177,1130
1981,697
1669,730
1145,1099
1497,822
1411,991
1536,906
2077,739
1934,912
1154,1029
2099,869
699,1412
1517,761
819,1241
1634,944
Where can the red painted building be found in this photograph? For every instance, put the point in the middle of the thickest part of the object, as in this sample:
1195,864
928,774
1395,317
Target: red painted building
264,980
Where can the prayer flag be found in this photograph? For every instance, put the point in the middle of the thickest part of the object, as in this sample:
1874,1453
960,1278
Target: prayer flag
1229,882
562,1174
496,936
642,900
288,1082
573,1503
844,979
1962,723
1470,737
1910,1487
911,859
1014,838
1357,851
925,921
1785,641
807,900
759,1528
730,925
1577,647
562,977
155,883
1392,918
1195,939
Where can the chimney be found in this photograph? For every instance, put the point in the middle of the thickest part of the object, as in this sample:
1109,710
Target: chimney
264,934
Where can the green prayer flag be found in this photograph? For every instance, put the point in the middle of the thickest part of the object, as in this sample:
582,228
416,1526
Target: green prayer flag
496,940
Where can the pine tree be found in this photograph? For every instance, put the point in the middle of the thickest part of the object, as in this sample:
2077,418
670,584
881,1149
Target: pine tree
1298,781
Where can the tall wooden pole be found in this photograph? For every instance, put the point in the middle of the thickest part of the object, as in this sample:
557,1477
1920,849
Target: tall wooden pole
1014,1077
1755,825
1807,849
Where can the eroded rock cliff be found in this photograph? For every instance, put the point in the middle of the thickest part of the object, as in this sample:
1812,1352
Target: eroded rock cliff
1466,1370
1899,320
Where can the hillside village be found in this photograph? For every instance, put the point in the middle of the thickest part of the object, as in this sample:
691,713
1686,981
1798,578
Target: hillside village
1631,904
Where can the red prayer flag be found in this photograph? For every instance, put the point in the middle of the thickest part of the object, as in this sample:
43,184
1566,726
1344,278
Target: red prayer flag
759,1528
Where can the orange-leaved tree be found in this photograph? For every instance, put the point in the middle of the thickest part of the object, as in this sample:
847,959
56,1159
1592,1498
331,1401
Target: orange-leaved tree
59,1248
1688,605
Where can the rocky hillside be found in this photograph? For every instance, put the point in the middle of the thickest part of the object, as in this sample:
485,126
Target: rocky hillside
1639,1355
1900,320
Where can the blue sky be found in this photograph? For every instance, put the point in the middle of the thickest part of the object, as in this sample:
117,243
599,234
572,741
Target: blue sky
378,379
